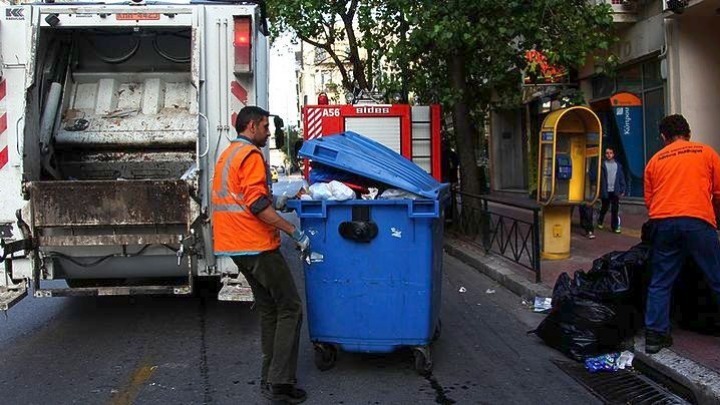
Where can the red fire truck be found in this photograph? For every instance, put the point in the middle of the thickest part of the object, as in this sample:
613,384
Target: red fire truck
412,131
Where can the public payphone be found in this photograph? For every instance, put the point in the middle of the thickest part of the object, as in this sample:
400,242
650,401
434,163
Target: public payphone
569,156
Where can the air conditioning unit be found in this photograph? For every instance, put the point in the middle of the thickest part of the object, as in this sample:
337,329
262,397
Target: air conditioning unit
676,6
624,6
629,5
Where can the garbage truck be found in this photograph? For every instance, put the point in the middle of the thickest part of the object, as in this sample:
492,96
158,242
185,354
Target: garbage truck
112,115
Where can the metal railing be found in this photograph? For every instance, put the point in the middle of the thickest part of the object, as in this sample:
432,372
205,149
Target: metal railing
507,227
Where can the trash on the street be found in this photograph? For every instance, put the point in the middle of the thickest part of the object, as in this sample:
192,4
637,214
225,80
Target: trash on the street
582,328
593,313
605,362
610,362
542,304
462,290
625,360
332,191
489,291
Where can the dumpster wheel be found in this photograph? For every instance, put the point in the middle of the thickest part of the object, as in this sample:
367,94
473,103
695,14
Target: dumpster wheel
325,356
423,360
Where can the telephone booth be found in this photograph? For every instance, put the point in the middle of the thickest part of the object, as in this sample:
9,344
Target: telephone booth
569,158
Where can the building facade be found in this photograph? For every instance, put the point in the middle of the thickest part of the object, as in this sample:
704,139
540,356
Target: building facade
667,65
317,74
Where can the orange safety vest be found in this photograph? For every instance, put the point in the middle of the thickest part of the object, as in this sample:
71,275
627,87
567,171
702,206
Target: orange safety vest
236,230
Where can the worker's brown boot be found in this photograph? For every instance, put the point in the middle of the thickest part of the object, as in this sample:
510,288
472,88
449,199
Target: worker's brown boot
288,393
655,341
265,389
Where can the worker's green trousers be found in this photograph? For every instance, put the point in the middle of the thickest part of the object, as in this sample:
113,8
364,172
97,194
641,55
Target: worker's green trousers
280,313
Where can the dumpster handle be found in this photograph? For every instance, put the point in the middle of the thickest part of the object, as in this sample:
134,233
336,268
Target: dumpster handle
311,209
424,209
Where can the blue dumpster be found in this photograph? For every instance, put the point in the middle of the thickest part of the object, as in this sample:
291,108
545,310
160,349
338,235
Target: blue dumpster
373,279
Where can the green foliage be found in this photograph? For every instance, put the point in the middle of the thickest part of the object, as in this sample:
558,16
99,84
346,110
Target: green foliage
466,55
348,30
469,55
492,38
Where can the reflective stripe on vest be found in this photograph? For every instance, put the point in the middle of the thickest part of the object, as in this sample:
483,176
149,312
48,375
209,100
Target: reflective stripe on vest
228,208
224,190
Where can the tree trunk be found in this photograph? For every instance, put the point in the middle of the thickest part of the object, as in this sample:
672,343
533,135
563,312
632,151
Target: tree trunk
464,136
472,220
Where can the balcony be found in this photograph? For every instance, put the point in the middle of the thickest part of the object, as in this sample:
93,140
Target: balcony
623,11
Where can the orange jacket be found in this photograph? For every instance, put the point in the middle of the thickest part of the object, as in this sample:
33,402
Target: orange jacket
240,187
682,180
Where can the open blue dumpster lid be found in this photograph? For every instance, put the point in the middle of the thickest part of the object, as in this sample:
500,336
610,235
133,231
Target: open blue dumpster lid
362,156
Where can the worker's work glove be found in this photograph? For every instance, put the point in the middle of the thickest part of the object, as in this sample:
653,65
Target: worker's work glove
302,240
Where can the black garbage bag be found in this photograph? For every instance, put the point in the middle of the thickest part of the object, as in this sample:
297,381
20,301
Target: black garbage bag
618,278
595,312
611,285
637,261
564,289
582,328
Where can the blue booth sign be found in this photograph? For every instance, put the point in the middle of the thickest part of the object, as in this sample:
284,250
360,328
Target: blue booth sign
628,112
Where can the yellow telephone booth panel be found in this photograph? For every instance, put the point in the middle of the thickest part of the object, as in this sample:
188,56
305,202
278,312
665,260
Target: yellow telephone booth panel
569,158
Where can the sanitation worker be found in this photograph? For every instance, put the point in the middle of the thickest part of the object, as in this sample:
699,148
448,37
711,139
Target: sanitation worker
246,228
682,188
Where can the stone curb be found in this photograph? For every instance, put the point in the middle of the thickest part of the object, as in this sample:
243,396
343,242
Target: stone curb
494,268
701,381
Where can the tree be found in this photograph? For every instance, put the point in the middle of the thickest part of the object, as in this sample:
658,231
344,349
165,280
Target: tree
468,55
347,30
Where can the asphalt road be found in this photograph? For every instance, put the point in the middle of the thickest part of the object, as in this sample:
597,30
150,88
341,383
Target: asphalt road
167,350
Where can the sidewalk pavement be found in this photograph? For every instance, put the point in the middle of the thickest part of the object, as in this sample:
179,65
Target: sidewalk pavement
694,359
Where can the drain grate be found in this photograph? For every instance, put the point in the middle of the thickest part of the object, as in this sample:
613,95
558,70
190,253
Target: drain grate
621,387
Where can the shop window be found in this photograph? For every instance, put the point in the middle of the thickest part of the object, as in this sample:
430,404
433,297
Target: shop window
602,86
654,112
644,80
630,79
651,74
